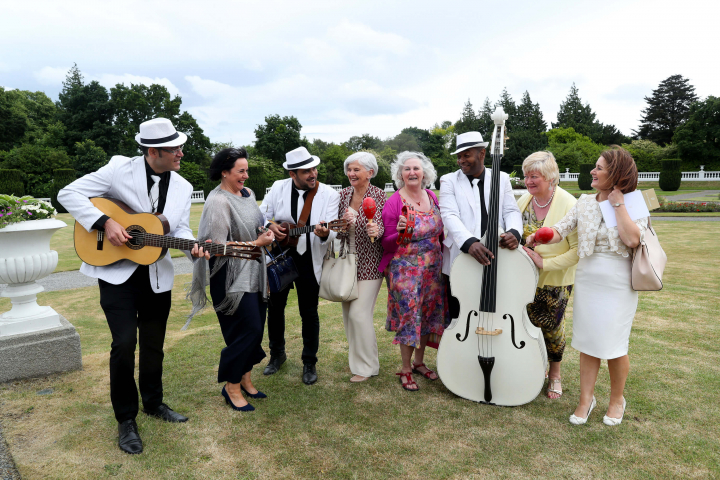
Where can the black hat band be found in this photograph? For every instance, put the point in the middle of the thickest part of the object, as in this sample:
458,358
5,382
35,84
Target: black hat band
155,141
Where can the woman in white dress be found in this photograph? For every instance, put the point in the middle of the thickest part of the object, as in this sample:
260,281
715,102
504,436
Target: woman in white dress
605,303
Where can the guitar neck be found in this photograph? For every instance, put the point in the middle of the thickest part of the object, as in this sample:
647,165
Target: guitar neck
163,241
296,232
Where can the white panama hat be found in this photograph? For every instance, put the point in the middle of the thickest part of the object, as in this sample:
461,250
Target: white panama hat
159,132
469,140
300,158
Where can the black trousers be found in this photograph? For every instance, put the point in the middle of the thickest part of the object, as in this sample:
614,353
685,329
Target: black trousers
307,289
242,331
135,314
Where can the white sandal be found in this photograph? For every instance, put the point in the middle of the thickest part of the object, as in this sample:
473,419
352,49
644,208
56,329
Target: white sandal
611,421
575,420
553,381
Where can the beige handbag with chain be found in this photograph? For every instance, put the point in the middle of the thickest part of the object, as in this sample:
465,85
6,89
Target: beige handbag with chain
648,263
339,281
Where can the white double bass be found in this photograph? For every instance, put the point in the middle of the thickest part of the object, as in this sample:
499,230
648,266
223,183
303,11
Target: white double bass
492,353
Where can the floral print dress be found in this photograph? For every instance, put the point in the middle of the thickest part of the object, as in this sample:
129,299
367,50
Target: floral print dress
416,287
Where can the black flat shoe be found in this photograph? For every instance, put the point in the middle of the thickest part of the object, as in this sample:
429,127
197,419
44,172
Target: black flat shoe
244,408
259,394
309,374
128,437
163,412
274,364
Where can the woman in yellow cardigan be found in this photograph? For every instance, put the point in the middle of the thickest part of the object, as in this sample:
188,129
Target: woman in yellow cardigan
545,204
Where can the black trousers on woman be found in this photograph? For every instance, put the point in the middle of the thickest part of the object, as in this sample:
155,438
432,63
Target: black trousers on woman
242,331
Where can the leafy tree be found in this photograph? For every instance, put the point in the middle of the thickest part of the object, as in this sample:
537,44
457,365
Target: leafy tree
87,113
193,174
363,142
668,108
13,122
198,147
318,147
278,136
62,177
571,148
573,114
431,144
89,157
136,104
333,159
647,154
698,139
38,174
403,142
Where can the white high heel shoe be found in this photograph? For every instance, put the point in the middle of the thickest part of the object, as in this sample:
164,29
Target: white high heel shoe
575,420
610,421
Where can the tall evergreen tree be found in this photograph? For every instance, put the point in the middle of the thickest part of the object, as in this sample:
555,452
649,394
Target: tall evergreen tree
468,120
484,114
87,113
668,108
528,133
573,114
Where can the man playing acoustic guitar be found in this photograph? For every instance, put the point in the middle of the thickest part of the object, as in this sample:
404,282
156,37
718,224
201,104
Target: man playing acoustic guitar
137,297
285,203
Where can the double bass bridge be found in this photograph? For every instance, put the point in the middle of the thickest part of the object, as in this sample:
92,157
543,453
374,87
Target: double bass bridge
482,331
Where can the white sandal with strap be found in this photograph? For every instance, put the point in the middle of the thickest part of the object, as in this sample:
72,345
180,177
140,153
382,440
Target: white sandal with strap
551,382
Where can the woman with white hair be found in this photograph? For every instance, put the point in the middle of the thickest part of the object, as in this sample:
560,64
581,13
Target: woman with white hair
360,167
417,289
544,205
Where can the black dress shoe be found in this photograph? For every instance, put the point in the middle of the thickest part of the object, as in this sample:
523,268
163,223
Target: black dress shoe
163,412
128,437
274,364
309,374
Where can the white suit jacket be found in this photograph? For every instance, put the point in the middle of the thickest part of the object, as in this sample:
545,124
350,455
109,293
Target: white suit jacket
459,211
276,205
124,179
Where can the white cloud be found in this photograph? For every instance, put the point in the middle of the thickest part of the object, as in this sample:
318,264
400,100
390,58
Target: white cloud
357,35
51,75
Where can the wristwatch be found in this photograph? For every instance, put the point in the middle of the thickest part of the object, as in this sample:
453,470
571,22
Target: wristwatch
617,204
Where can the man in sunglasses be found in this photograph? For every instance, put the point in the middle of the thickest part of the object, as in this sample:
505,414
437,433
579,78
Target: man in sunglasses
136,298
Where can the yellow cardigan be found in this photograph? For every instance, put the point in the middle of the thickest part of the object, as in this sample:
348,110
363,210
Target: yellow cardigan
559,259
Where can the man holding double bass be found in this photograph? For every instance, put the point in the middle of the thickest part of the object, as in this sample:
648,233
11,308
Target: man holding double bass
136,298
464,201
300,197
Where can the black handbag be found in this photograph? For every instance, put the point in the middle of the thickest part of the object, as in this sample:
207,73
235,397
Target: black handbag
281,270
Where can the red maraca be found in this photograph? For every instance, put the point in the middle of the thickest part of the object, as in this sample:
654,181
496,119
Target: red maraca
369,209
544,235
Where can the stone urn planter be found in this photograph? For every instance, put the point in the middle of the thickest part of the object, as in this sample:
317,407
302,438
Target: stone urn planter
34,340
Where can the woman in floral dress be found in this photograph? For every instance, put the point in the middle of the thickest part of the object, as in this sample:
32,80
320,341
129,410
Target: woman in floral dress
417,305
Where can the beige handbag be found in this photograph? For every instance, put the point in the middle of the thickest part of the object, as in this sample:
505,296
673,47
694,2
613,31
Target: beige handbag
339,281
648,263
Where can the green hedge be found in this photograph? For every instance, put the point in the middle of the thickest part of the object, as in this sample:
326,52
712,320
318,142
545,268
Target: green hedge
518,171
62,177
382,177
209,186
257,182
442,170
585,179
670,175
11,182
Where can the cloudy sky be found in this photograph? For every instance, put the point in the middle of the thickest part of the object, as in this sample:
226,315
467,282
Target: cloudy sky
348,68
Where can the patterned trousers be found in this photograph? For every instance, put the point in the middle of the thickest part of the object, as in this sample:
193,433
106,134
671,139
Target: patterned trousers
547,312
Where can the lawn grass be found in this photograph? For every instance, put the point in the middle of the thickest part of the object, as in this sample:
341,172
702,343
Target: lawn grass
692,186
375,429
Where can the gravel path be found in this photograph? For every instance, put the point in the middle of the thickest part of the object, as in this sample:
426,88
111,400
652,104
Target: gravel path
7,466
687,196
75,279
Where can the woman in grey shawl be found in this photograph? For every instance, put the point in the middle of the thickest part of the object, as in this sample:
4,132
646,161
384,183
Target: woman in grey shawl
238,287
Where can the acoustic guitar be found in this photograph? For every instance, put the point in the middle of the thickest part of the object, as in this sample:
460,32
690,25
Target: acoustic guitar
294,232
149,242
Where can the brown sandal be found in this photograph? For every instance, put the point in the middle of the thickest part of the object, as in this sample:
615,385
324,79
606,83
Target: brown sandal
426,374
408,382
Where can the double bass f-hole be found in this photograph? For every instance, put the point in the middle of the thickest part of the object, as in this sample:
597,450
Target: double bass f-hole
467,326
512,331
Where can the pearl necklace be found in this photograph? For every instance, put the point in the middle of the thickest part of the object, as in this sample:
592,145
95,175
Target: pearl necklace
548,203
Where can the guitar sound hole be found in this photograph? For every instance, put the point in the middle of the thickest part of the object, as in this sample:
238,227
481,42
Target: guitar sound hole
136,231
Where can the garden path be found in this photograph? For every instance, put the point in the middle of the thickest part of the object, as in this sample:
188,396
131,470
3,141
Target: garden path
687,196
